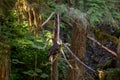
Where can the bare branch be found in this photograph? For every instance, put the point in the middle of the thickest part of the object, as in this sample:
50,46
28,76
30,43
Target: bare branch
46,43
58,28
110,51
75,57
66,22
48,18
66,58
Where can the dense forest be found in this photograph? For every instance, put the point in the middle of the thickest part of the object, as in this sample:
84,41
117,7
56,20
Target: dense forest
59,40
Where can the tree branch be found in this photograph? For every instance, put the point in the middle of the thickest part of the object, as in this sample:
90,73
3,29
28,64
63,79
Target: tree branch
48,18
110,51
58,29
66,22
76,58
66,58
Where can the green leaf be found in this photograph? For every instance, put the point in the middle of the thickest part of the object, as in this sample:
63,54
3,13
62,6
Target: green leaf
16,61
44,75
38,70
31,73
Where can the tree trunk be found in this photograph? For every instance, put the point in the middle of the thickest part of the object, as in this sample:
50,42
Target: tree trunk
4,62
54,66
118,51
54,69
78,47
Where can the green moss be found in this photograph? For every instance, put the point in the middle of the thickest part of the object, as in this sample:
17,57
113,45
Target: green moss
113,74
103,36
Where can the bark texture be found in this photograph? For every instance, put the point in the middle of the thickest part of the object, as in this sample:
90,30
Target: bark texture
4,62
78,46
54,66
54,69
118,51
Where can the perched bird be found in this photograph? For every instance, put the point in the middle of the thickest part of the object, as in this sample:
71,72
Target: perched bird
54,49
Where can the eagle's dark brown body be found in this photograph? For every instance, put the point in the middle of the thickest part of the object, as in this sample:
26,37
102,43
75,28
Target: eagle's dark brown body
54,49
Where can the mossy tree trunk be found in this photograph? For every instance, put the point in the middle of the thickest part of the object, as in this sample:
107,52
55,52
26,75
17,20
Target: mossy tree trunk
54,65
78,47
4,61
118,57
